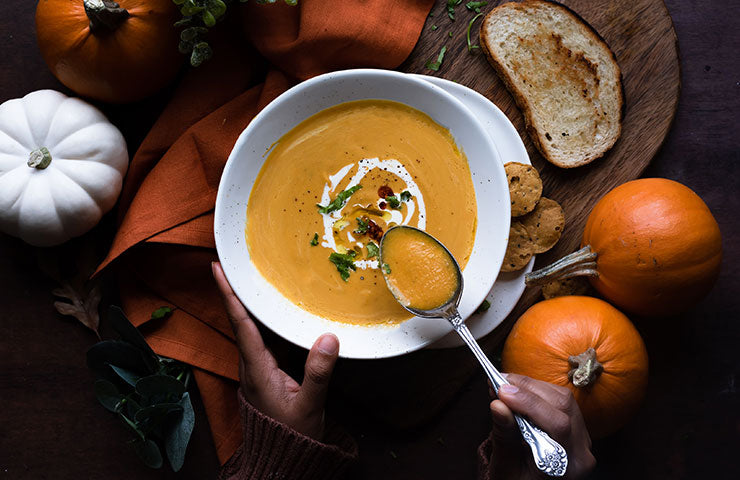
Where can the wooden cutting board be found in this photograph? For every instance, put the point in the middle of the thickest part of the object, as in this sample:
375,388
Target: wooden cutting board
408,390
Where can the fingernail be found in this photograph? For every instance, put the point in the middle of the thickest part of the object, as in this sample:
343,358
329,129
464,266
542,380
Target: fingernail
508,389
328,345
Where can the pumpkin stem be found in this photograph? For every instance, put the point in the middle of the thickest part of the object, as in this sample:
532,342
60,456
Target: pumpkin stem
577,264
104,15
585,368
39,158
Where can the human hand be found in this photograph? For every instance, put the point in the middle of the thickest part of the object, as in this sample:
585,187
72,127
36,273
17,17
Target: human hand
553,409
264,385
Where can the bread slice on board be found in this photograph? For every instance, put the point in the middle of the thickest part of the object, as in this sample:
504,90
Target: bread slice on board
563,76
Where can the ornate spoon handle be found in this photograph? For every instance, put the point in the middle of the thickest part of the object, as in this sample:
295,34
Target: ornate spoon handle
549,455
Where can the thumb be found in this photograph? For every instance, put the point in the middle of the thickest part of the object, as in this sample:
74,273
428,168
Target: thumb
507,450
319,365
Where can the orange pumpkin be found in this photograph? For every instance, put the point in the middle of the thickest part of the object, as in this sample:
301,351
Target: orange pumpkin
657,248
110,52
587,345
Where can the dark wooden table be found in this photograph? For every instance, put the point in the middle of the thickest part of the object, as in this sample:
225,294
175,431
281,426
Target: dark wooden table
689,426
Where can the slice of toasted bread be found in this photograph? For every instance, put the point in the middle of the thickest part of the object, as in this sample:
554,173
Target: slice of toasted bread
562,75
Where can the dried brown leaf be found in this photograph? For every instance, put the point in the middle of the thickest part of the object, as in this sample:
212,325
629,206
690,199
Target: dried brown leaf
84,306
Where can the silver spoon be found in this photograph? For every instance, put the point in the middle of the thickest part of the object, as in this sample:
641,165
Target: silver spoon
549,455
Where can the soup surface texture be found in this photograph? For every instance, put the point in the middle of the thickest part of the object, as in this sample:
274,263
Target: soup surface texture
334,183
418,269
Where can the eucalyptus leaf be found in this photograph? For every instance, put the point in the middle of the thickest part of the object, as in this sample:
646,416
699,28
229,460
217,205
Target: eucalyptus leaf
127,330
201,52
157,413
149,453
179,432
131,426
160,386
108,395
216,7
129,377
121,354
132,406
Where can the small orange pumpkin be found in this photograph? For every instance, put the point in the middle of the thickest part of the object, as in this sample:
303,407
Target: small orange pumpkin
656,246
587,345
110,52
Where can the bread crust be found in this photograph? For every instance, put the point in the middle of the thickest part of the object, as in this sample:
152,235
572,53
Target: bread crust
520,97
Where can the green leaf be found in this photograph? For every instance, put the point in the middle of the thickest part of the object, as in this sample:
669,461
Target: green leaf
362,225
315,240
339,202
470,25
216,7
475,6
131,405
386,269
179,432
451,4
405,196
131,426
120,354
156,413
129,377
201,53
372,250
108,395
208,19
483,307
160,386
129,333
149,453
162,312
435,65
344,264
393,202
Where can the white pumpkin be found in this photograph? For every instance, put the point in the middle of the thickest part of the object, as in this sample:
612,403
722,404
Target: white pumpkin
61,167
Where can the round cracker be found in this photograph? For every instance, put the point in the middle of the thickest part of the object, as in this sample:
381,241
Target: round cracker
544,224
519,250
568,286
525,187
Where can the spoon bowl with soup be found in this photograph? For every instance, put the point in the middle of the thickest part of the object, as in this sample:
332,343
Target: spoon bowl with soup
426,280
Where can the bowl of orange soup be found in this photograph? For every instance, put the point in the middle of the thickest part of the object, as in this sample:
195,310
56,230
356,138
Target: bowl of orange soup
322,172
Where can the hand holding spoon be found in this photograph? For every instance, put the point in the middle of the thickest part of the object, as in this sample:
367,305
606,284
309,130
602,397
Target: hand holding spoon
427,281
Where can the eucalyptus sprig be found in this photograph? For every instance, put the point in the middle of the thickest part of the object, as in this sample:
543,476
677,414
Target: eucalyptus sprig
198,17
146,391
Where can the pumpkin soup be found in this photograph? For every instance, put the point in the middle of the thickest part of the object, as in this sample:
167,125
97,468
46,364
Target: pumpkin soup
418,270
333,184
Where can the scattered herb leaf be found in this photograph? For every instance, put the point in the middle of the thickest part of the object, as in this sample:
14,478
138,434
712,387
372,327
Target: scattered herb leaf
475,6
394,202
470,25
386,269
372,250
483,307
315,240
344,264
161,312
451,4
338,202
362,226
434,27
434,66
405,196
450,34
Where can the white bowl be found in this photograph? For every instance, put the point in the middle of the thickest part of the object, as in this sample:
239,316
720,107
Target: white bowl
281,315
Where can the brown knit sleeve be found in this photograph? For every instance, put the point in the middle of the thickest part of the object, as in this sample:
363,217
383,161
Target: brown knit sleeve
484,460
274,451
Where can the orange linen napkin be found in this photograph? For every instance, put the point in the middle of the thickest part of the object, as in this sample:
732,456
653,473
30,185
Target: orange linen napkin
164,244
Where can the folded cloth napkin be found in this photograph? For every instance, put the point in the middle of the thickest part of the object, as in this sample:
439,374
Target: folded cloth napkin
164,244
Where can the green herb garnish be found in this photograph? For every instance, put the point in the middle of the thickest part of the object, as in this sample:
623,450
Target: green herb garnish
338,202
393,202
315,240
450,34
434,27
405,196
483,307
451,4
475,6
362,226
434,66
386,269
470,46
344,264
372,250
198,16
